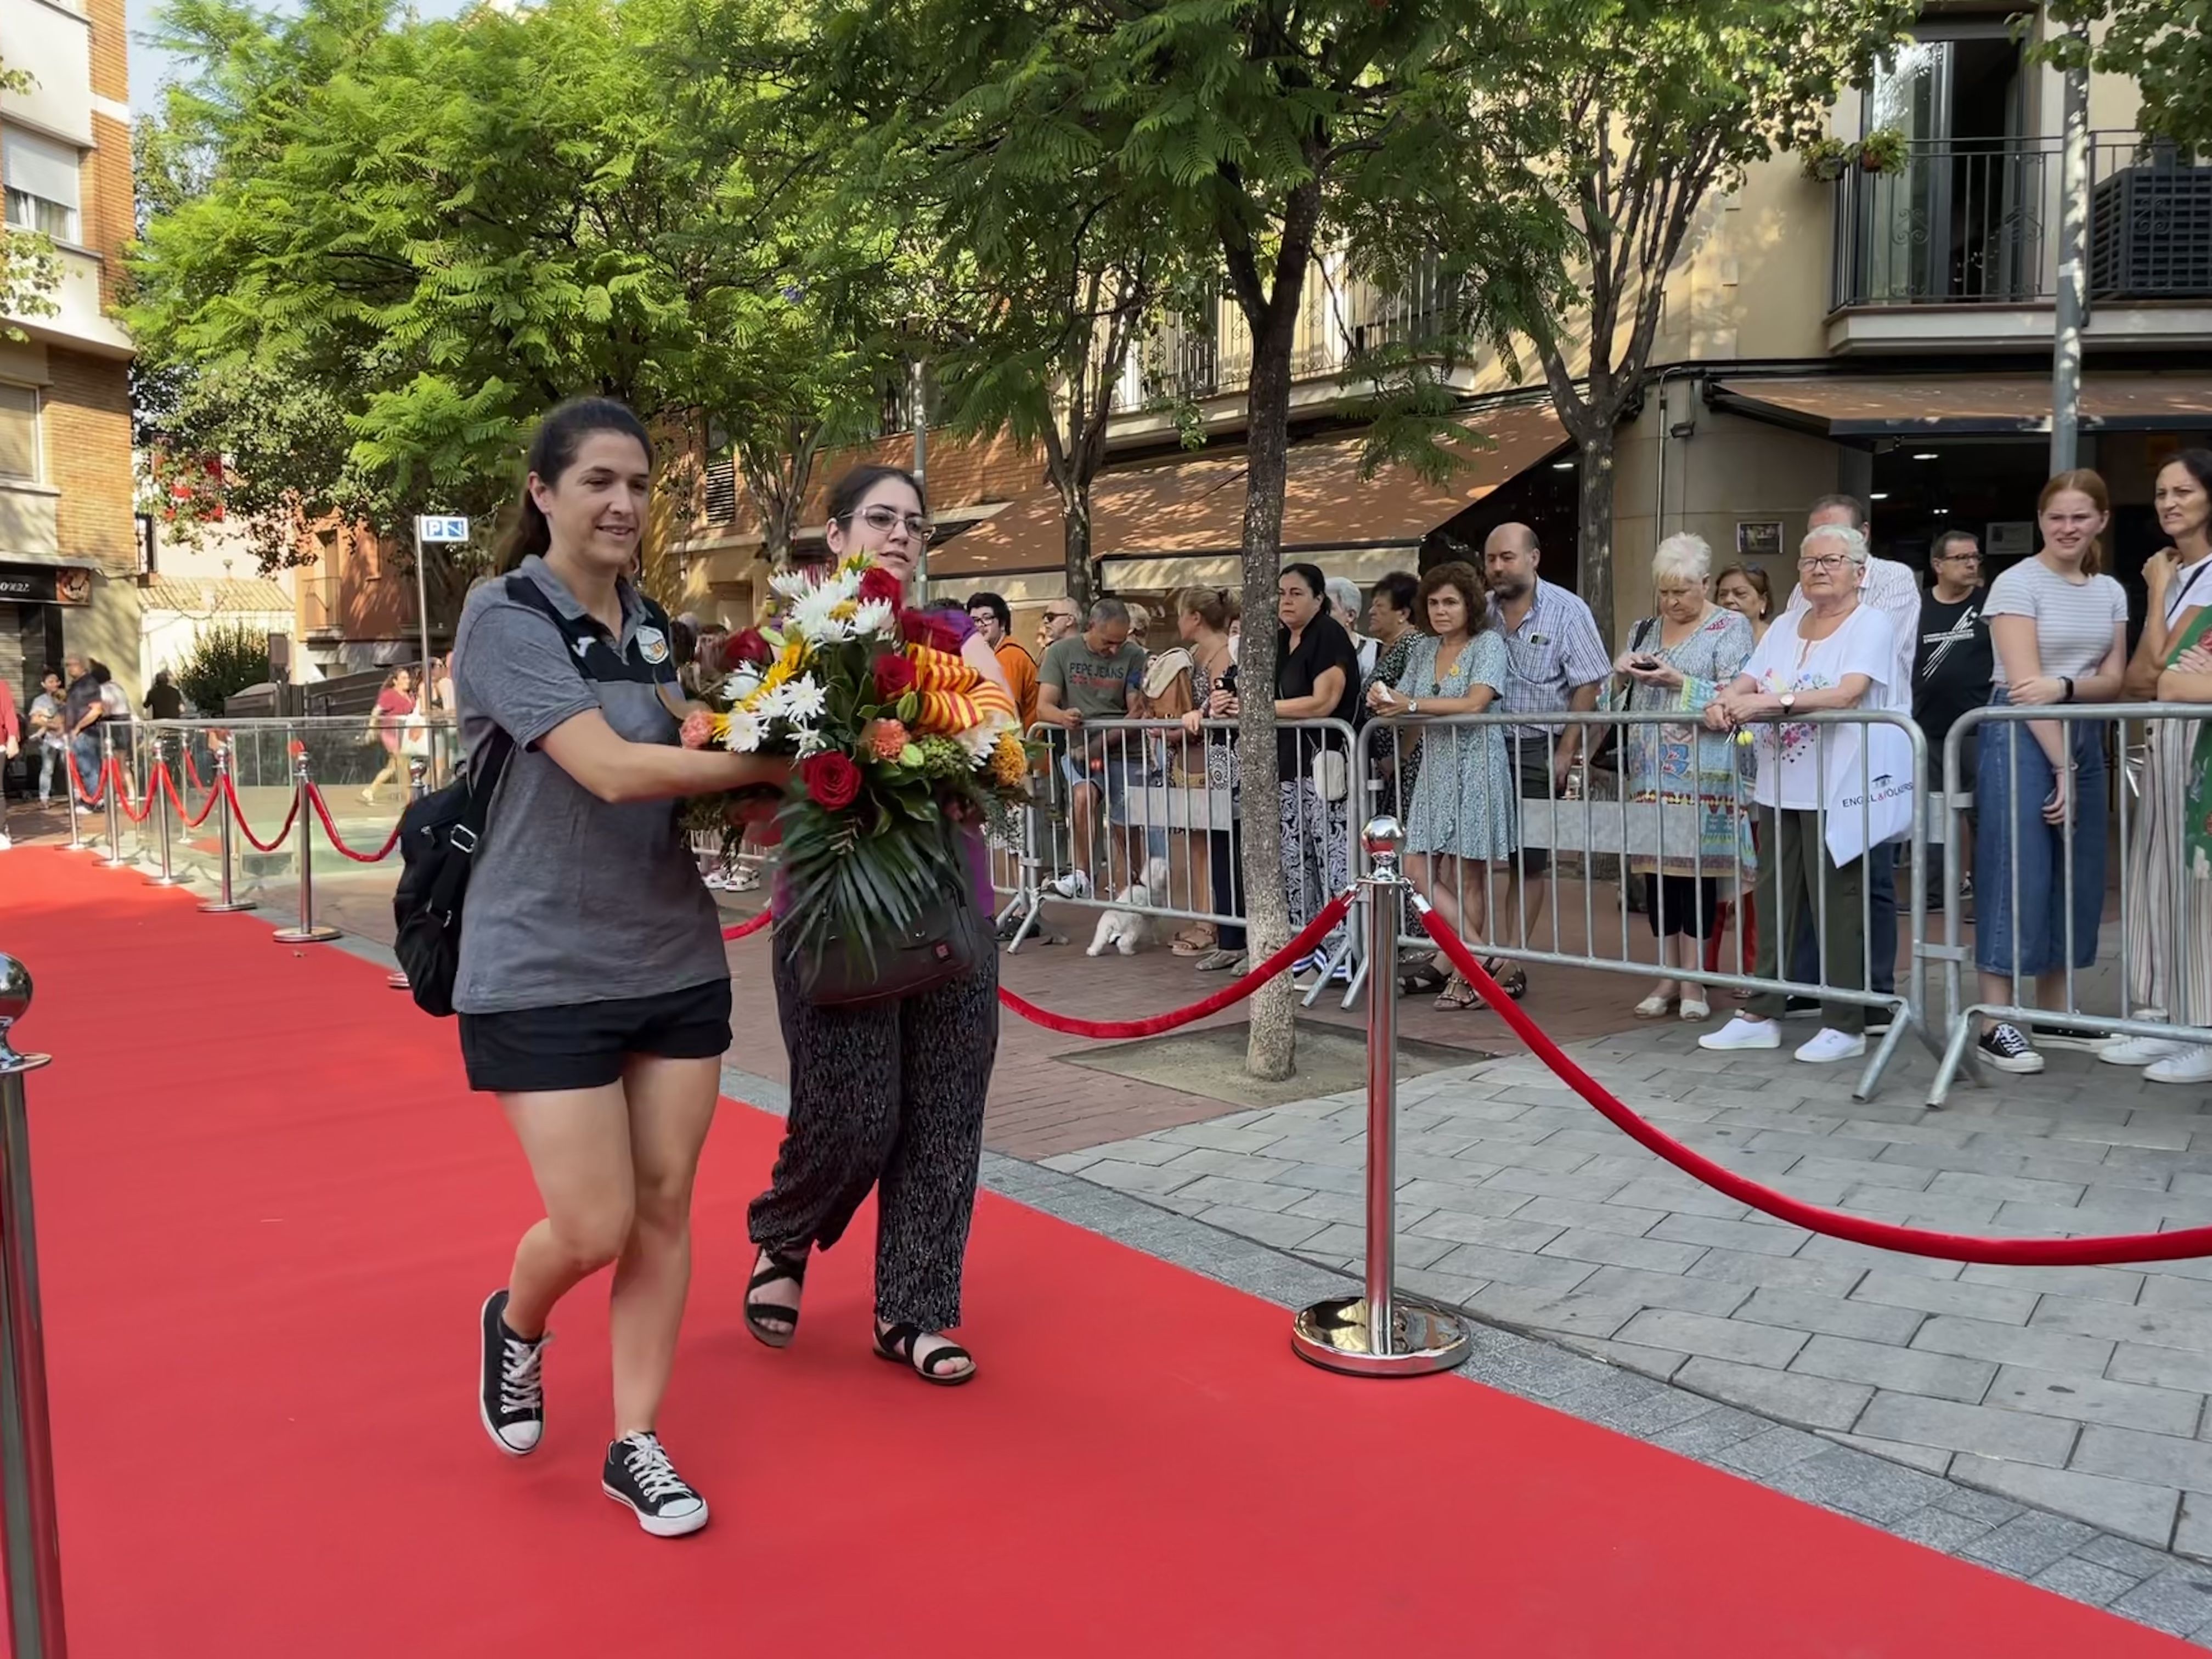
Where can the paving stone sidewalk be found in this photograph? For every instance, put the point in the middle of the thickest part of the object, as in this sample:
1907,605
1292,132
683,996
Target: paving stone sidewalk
2079,1390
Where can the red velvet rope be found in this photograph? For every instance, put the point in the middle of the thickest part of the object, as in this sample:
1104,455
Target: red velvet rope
145,807
238,815
1882,1235
169,787
747,929
191,770
323,811
76,781
1316,930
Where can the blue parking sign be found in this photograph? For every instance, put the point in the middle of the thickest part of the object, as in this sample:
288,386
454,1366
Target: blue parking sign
432,529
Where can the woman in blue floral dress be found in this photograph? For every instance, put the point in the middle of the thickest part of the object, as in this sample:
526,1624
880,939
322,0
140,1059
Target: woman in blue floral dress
1462,811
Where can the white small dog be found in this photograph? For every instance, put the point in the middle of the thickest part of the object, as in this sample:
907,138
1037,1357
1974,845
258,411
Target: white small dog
1125,928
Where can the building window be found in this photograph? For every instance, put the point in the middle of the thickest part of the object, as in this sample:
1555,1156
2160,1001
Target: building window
41,180
19,432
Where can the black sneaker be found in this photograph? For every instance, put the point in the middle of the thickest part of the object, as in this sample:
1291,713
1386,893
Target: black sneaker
2004,1048
638,1473
511,1393
1794,1007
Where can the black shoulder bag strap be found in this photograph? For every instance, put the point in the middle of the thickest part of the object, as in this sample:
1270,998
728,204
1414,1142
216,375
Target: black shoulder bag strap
468,831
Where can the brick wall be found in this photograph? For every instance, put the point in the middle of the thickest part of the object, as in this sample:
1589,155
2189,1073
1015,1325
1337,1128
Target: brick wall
107,195
87,442
110,53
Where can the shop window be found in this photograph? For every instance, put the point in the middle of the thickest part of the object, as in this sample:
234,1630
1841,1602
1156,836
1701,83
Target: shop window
19,432
41,181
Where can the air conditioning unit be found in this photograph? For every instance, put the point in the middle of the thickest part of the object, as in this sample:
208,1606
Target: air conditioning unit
2151,232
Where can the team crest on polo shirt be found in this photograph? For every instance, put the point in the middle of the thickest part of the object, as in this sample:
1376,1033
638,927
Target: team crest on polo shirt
653,643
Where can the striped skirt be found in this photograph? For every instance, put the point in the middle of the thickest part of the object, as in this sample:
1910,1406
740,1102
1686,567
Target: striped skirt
2170,936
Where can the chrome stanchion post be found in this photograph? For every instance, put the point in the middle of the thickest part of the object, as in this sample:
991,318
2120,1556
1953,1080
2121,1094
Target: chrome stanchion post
27,1457
1376,1334
226,901
69,788
114,775
418,785
168,876
303,788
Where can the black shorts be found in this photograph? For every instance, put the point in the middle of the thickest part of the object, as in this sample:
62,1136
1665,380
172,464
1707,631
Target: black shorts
1533,768
582,1045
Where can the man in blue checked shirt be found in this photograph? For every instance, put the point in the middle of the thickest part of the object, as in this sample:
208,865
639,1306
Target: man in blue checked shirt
1556,660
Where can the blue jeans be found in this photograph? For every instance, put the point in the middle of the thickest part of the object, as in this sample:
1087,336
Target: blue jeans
85,745
1881,925
2023,861
49,761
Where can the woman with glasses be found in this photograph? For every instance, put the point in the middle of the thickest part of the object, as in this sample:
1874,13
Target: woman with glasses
887,1095
1835,653
2060,631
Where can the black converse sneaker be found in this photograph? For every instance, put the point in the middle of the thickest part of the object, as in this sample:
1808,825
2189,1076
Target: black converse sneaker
511,1394
638,1473
2004,1048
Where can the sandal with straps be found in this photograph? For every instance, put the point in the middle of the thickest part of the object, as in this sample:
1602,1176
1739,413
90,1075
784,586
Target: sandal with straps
772,1321
896,1344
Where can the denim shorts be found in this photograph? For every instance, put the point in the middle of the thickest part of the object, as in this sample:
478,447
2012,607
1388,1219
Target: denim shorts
2028,889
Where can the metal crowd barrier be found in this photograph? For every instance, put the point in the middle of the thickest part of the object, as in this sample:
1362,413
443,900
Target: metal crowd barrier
2163,933
1121,801
1595,830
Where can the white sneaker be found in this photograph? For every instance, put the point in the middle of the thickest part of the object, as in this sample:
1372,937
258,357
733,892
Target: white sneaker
1743,1032
1072,885
2140,1051
1827,1045
2192,1064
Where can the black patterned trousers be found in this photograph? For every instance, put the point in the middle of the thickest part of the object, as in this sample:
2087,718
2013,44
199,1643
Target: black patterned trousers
887,1095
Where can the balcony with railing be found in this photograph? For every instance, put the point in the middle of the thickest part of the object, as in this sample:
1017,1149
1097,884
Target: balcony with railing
1191,359
1973,224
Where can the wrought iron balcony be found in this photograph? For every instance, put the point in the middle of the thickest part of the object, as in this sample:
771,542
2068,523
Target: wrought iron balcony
1974,222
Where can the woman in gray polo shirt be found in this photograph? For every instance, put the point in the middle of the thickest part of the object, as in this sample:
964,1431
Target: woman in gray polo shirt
593,995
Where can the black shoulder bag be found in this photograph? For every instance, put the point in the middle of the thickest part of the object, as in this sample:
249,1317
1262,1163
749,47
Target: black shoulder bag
439,835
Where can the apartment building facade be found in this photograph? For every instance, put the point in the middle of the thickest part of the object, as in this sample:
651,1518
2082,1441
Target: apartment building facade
72,550
1888,334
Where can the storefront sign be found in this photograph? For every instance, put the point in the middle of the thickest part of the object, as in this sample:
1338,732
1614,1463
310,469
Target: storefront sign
44,584
1759,538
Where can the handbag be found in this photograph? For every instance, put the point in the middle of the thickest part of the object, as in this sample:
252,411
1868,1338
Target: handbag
1601,751
414,738
945,941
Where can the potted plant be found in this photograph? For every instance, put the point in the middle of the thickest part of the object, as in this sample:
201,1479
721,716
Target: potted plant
1882,150
1826,160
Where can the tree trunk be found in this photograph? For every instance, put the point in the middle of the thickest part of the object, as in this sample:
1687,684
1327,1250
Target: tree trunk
1271,1052
1075,533
1594,526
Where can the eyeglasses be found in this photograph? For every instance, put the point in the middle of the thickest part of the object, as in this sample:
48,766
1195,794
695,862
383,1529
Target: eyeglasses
1824,562
885,519
1059,616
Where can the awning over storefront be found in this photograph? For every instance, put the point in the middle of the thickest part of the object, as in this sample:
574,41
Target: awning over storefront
1964,405
1194,509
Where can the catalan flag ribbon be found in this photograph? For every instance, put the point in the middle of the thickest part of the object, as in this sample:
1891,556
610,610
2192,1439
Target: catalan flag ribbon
955,698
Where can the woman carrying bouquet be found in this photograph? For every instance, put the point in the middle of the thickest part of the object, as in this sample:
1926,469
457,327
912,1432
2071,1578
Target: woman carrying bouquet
886,1094
593,991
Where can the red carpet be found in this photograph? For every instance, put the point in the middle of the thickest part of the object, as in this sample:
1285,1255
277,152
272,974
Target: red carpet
268,1210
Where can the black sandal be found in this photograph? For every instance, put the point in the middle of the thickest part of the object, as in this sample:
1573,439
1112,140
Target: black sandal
897,1345
771,1322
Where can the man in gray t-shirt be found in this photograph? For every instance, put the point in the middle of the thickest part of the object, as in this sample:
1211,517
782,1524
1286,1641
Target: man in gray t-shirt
1094,675
558,863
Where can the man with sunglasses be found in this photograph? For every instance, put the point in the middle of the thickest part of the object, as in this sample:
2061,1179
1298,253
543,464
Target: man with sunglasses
1060,619
1953,670
1091,676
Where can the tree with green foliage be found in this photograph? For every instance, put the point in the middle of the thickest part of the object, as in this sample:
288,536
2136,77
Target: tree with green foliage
226,658
30,271
1263,135
1661,103
2164,45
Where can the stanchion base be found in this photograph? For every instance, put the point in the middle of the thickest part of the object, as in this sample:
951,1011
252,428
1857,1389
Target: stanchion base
304,935
167,881
399,982
1333,1335
217,908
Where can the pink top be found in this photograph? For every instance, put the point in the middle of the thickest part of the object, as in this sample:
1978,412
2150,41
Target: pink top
394,706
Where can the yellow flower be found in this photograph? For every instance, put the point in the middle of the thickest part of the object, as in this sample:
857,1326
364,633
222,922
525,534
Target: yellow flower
1009,762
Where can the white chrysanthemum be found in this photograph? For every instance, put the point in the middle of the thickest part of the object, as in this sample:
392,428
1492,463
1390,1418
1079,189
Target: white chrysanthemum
873,617
799,701
792,584
979,739
814,618
746,731
811,741
740,685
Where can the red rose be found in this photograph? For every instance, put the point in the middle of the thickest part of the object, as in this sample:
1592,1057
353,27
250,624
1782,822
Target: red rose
748,646
878,583
894,676
831,779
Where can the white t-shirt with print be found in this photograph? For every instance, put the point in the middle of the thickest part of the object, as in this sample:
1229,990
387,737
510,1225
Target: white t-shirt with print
1791,766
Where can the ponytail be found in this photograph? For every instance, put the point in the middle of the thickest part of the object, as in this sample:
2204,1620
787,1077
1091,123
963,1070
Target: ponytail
528,534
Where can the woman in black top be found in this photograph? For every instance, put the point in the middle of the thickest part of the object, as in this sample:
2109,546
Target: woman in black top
1316,678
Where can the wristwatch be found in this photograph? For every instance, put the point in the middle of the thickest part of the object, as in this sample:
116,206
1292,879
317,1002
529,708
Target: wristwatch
1788,700
1413,705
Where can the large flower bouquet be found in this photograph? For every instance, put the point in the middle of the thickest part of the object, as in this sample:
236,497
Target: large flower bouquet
896,739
